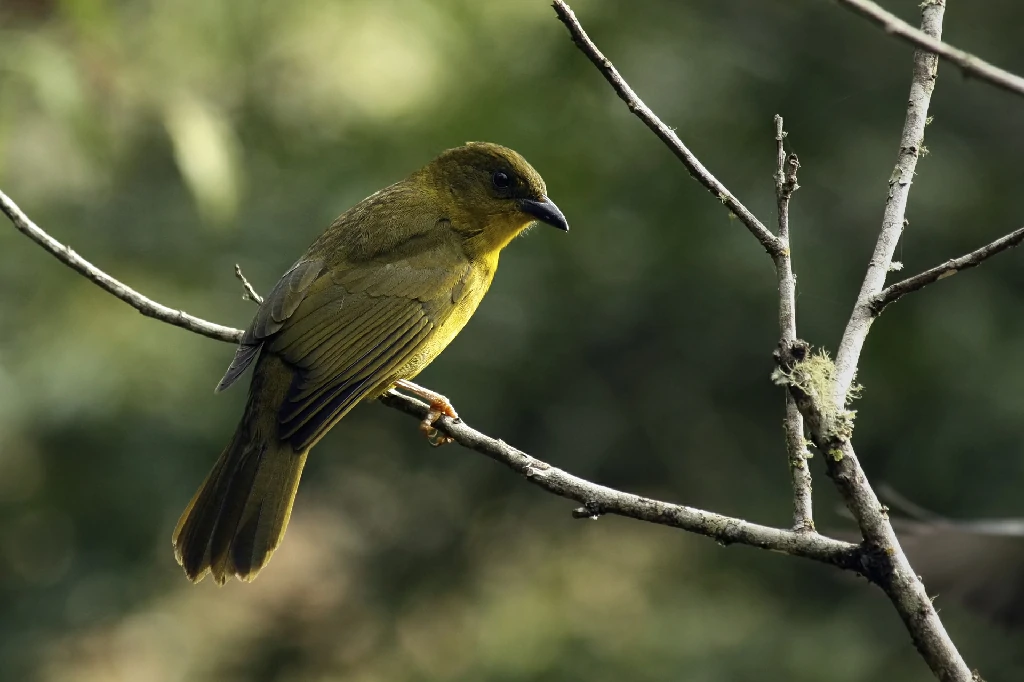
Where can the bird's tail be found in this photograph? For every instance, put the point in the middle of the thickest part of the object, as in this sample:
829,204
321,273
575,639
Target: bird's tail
238,516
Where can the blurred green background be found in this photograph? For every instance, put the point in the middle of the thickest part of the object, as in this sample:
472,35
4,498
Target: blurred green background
166,140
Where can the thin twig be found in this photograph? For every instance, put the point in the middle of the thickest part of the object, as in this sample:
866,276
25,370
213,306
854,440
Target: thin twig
770,242
596,499
887,565
968,63
901,504
250,293
894,292
147,307
793,424
894,217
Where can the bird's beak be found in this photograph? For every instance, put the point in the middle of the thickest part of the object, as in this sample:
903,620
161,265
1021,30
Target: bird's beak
545,211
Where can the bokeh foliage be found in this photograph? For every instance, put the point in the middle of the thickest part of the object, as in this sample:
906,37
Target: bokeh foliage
167,140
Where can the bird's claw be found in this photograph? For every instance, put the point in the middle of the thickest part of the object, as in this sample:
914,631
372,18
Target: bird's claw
439,407
436,438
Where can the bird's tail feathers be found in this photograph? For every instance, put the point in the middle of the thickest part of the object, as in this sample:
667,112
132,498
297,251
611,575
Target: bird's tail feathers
238,516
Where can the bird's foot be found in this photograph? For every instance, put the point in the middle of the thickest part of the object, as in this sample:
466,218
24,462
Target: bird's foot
439,407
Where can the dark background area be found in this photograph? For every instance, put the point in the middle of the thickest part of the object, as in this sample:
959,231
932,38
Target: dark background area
166,140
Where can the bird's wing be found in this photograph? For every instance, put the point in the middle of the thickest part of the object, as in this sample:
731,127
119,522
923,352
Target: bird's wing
346,329
400,226
354,330
276,308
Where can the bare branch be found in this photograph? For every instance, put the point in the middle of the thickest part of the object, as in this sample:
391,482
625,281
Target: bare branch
147,307
968,63
770,242
894,217
250,293
887,565
793,424
894,292
596,499
826,416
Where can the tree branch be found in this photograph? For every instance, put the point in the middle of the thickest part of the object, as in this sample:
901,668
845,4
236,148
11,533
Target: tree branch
829,422
793,424
894,217
597,499
887,565
146,306
894,292
770,242
968,63
250,293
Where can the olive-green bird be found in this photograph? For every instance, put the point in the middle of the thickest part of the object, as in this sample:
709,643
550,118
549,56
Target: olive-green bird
375,298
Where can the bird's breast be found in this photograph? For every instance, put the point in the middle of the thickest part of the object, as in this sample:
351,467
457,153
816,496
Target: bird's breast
465,297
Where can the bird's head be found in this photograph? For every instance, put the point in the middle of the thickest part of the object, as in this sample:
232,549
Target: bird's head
493,194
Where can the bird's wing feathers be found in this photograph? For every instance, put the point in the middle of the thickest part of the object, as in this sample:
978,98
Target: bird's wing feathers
276,308
347,329
354,330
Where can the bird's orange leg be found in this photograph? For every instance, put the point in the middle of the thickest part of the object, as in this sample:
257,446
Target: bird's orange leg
439,406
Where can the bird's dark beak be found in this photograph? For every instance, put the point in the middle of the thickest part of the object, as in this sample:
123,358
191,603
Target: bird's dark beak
545,211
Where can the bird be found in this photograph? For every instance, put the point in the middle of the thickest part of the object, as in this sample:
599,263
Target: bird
376,297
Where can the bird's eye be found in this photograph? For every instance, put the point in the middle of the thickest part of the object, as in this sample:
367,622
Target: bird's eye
500,180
